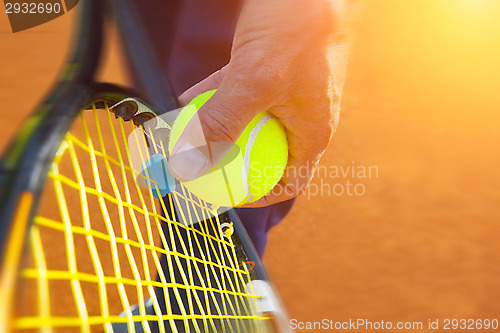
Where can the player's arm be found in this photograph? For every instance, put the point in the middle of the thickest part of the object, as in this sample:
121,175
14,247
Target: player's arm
288,56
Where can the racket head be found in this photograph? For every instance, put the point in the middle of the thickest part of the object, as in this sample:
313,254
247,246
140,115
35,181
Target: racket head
26,161
54,274
97,243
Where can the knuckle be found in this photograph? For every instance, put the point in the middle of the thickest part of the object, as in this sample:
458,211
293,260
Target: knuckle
329,122
269,75
266,78
218,126
295,187
325,136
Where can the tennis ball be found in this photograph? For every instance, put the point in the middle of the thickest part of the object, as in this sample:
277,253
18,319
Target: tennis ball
251,168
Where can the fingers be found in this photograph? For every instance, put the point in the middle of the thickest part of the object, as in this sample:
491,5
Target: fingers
221,120
214,129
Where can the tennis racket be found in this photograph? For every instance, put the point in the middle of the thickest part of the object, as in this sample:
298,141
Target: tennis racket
86,246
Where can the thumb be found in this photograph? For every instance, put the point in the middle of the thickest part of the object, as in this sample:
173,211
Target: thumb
213,131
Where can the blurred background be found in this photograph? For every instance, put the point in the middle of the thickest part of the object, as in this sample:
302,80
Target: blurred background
421,110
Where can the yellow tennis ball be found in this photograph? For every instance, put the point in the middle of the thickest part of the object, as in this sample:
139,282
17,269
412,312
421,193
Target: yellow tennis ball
251,169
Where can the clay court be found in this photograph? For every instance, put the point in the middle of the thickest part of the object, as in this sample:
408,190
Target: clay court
417,238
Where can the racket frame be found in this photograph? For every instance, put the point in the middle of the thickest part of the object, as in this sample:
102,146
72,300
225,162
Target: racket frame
27,160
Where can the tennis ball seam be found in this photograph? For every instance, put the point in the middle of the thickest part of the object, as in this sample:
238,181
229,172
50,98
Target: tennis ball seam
248,150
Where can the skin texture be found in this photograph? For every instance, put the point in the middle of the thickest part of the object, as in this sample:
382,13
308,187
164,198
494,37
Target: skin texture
288,57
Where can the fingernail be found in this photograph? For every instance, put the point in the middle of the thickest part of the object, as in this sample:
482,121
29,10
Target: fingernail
187,162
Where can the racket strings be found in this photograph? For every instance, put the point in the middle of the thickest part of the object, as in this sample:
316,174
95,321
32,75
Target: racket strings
117,246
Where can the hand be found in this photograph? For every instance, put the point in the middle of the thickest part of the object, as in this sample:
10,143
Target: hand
288,58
